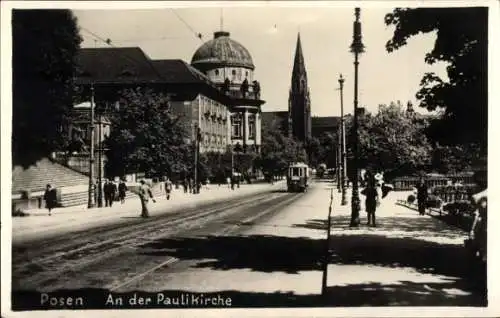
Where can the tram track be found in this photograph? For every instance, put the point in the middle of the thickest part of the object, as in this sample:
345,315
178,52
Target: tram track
36,252
47,269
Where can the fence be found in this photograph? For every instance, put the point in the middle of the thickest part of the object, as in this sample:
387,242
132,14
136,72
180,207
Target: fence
408,183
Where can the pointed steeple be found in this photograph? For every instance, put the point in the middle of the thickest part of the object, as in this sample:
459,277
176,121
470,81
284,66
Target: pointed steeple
299,66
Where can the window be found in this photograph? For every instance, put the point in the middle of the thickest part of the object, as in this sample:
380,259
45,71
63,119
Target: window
295,172
216,72
233,72
246,73
251,126
236,126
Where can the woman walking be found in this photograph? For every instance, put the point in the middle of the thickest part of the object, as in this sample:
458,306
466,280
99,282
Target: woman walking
122,189
50,198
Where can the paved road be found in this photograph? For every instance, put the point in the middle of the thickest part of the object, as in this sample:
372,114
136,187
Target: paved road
263,250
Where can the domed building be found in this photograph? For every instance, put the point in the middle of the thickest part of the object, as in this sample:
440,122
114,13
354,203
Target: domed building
229,65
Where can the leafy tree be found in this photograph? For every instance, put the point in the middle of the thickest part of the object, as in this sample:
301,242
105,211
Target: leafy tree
147,137
462,37
45,45
278,151
391,141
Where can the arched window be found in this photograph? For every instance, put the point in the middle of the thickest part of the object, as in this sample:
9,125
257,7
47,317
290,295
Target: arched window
251,126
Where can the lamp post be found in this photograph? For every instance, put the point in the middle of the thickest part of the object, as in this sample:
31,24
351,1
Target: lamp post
91,203
197,132
338,162
357,48
343,159
99,158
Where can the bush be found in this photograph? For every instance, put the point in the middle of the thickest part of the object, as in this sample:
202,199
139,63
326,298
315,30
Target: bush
411,199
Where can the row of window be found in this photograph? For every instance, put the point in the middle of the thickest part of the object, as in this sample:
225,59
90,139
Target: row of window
237,126
211,139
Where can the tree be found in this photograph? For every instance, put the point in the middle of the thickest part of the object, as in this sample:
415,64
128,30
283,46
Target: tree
44,48
463,45
392,141
147,137
278,151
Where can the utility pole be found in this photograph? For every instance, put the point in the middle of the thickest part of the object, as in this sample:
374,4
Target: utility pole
357,48
197,132
326,256
99,158
343,159
91,202
339,162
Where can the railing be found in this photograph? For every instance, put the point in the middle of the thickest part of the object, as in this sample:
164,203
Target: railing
234,90
408,183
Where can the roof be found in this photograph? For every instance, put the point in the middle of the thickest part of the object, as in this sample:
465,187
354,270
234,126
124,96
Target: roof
124,64
222,51
177,71
330,121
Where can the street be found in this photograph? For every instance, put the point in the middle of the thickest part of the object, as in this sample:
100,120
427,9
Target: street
264,249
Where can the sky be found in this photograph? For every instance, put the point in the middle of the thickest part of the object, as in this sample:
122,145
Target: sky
270,35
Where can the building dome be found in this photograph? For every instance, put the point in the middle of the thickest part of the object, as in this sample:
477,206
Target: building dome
221,51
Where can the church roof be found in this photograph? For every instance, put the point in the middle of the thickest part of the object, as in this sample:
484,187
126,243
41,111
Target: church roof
324,122
222,51
299,65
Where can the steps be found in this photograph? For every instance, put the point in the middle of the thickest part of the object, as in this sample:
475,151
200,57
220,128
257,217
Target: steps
44,172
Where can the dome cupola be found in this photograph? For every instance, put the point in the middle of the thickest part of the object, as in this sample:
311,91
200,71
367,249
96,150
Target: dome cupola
221,51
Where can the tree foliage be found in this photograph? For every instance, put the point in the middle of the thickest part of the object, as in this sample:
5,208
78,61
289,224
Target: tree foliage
147,137
392,141
278,151
45,45
461,42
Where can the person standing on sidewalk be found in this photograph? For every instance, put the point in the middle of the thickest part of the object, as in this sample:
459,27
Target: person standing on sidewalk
372,199
168,188
422,191
145,194
50,198
122,190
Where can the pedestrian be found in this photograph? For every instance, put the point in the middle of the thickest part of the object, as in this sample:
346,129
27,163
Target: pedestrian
107,194
50,198
144,194
233,181
112,192
228,181
185,185
122,190
422,192
372,200
478,232
168,188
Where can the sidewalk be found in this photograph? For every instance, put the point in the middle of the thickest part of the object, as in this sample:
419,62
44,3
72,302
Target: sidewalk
408,260
39,223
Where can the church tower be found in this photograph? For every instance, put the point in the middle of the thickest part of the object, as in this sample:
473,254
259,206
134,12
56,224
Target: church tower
299,105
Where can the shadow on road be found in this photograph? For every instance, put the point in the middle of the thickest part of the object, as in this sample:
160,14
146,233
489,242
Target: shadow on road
459,283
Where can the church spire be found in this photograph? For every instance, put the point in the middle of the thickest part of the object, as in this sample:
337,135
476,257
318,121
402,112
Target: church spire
299,66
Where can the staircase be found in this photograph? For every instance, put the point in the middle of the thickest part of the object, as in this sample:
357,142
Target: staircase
45,171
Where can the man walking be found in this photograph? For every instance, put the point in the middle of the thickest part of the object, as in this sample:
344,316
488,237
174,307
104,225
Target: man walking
112,192
106,188
144,194
168,188
122,190
422,191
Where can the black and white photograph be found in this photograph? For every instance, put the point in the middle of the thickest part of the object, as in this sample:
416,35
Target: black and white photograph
272,155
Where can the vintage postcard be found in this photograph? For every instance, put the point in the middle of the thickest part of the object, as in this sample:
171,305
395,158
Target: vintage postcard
248,158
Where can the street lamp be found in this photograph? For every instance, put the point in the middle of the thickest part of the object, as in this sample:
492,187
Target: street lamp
357,48
343,160
91,201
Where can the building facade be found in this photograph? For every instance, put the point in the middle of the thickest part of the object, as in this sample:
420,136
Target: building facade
229,65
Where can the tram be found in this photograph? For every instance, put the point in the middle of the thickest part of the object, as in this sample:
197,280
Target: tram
298,177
